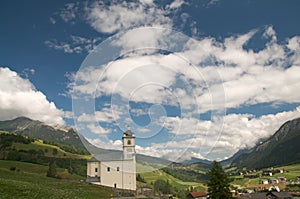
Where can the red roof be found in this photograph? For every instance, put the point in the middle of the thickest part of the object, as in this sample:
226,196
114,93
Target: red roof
198,194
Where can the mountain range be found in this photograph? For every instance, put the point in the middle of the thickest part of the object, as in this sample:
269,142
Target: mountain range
282,148
66,135
36,129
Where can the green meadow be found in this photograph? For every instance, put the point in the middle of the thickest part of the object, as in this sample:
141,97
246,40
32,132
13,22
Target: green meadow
26,180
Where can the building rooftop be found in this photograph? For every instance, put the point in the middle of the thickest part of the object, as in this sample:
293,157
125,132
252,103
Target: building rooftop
128,133
110,156
198,194
280,194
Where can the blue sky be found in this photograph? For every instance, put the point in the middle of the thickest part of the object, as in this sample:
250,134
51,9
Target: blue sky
193,78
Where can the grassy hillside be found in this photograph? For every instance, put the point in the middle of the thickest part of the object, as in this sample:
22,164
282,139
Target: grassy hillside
48,149
26,180
282,148
291,172
20,148
36,129
151,177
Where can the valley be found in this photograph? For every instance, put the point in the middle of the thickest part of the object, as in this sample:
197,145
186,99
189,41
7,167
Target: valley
25,161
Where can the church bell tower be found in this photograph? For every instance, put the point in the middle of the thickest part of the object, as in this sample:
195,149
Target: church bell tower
128,145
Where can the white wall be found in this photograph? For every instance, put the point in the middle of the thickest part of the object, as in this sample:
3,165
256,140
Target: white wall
125,178
91,169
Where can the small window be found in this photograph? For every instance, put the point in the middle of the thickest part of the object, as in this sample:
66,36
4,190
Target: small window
96,170
108,169
129,142
118,168
115,185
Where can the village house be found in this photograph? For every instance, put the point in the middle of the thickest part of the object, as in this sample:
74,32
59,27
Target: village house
198,195
267,173
264,181
115,169
281,171
273,181
269,195
282,179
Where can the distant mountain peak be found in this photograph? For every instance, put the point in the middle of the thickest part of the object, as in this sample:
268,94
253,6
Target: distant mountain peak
22,118
280,149
36,129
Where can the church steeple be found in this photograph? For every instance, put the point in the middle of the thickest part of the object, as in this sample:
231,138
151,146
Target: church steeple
128,144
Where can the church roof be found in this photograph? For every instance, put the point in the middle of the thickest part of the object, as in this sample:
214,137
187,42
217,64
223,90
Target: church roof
110,156
129,133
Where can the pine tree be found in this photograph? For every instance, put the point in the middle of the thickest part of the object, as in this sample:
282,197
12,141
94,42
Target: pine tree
218,183
52,169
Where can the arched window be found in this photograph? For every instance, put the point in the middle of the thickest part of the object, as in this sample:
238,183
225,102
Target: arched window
129,142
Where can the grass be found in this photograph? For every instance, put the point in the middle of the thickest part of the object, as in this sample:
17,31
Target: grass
151,177
292,172
30,181
47,148
4,132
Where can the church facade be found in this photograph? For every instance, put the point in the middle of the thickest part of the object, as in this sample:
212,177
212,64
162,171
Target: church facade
115,169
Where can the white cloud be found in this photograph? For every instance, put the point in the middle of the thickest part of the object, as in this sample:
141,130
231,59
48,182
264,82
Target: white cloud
294,43
115,145
124,15
238,131
204,139
176,4
27,72
68,114
18,97
195,79
211,3
138,111
98,130
244,76
77,44
105,115
294,46
52,20
68,13
65,47
146,1
270,32
143,37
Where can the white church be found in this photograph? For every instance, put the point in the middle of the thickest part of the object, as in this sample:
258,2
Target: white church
115,169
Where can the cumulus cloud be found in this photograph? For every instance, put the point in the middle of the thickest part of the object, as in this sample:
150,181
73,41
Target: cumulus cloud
124,15
245,76
105,115
19,97
294,46
116,145
98,130
208,140
205,142
175,4
192,80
